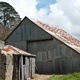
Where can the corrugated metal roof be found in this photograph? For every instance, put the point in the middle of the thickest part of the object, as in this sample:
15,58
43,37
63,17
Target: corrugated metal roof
60,35
8,49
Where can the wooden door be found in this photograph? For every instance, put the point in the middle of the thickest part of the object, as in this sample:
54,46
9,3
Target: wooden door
43,51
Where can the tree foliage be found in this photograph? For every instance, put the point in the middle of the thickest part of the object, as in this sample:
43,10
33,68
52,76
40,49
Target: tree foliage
8,15
4,32
9,19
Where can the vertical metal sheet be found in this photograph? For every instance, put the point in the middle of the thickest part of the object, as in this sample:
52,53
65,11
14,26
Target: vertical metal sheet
30,67
27,68
75,64
63,50
64,65
39,56
22,71
58,66
33,65
69,65
49,55
21,45
44,56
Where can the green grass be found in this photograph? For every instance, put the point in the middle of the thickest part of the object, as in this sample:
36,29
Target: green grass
73,76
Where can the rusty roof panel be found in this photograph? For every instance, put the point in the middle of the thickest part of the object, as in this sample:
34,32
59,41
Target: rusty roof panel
8,49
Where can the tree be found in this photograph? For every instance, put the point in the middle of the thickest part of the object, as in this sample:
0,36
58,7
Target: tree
4,32
9,19
8,15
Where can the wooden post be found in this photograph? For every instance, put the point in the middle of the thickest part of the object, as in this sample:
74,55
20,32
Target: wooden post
27,63
19,68
31,67
22,72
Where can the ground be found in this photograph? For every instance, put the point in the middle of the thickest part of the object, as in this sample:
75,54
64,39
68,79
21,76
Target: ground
41,77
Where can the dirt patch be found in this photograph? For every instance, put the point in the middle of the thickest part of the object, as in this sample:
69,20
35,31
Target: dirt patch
40,77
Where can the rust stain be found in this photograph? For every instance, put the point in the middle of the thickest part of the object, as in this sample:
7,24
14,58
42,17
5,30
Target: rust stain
7,49
13,50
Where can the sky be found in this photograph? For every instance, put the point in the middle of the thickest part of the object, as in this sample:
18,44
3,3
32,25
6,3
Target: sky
64,14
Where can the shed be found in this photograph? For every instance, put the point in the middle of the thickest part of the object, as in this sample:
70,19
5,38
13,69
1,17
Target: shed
56,51
16,64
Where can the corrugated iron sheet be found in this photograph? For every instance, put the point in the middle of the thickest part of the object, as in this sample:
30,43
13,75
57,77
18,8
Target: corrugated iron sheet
8,49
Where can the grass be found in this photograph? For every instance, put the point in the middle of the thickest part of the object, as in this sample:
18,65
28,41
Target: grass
73,76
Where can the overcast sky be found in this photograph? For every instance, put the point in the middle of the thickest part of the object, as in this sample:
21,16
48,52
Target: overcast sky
61,13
